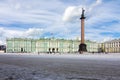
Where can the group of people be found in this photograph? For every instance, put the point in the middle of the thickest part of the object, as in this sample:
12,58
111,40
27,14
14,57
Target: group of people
52,50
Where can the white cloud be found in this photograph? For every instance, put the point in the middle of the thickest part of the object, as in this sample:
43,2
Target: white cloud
62,18
73,12
29,33
32,32
107,39
98,2
100,17
28,11
17,6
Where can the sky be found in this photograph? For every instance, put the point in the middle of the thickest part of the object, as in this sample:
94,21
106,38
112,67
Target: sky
59,19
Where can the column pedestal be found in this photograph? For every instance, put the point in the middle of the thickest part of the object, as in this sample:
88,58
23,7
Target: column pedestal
82,48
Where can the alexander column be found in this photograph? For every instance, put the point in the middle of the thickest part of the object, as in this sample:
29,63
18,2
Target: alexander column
82,46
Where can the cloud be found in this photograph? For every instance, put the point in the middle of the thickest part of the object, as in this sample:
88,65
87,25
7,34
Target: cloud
29,33
38,18
27,11
98,2
102,19
32,32
107,39
73,12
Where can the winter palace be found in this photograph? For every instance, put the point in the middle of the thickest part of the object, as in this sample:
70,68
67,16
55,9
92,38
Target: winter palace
47,45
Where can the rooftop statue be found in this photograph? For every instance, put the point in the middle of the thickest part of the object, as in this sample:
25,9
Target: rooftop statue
82,15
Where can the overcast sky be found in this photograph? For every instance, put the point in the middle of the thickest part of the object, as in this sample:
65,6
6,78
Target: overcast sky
59,18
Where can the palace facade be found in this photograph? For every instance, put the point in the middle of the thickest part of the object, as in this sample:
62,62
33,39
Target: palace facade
45,45
112,46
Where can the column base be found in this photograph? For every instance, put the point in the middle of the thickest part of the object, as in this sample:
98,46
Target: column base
82,48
